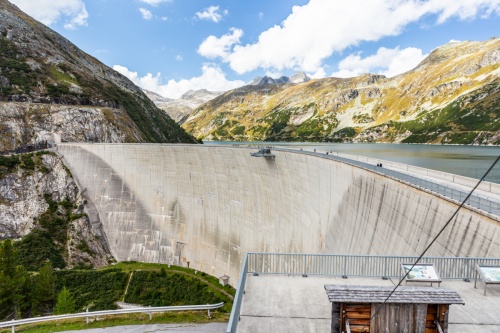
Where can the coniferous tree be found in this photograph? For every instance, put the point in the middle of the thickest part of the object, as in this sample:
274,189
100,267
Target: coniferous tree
21,291
8,258
43,291
65,302
13,281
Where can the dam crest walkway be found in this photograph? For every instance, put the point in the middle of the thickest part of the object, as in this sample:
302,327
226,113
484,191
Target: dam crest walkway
485,198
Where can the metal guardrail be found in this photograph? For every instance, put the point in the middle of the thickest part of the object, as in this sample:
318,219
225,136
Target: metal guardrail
14,323
238,299
486,204
360,265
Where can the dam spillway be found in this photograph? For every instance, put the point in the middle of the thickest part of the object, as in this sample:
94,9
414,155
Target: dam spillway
206,206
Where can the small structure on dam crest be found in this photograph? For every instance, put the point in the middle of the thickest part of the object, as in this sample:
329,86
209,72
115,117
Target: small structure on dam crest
409,309
264,152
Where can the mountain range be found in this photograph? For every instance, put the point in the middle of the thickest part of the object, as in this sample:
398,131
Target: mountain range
296,78
49,88
452,96
180,109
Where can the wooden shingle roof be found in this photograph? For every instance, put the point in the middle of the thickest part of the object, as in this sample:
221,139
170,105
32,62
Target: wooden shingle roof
376,294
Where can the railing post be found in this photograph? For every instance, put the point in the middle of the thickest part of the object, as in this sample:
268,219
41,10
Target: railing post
150,315
13,326
209,317
87,316
385,267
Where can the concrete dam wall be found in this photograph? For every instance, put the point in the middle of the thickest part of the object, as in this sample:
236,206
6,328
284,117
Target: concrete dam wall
205,206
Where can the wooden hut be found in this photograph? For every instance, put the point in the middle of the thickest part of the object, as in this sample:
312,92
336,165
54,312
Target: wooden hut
409,309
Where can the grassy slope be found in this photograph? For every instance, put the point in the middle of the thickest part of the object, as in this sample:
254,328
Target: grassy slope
469,119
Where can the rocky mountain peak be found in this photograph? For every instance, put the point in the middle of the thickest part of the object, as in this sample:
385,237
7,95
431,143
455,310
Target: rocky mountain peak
255,81
203,94
299,78
296,78
156,98
457,50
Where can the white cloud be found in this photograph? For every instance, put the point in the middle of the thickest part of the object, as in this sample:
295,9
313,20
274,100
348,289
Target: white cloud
146,14
50,11
388,62
261,15
211,14
463,9
214,47
164,18
454,41
154,2
212,78
313,32
319,74
178,57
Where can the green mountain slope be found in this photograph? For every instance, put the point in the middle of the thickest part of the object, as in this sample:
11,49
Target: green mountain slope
451,97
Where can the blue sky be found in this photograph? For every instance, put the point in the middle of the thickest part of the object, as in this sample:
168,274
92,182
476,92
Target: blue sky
171,46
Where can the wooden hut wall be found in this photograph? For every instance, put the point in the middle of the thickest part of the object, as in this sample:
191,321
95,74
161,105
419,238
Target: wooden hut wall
358,316
391,318
336,317
399,317
439,313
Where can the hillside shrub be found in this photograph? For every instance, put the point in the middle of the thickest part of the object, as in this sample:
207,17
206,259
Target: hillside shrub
96,290
167,289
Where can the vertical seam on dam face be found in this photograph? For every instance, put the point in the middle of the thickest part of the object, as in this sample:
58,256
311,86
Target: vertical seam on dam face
206,206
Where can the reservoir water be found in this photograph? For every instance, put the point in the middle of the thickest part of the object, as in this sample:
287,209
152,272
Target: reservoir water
469,161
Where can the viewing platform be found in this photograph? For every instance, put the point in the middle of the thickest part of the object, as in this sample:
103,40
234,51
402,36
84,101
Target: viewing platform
271,299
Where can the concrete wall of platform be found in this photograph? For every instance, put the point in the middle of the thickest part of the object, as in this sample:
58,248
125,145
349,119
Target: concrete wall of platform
205,206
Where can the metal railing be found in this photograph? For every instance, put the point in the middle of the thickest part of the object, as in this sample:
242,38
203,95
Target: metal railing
487,204
238,298
360,265
149,310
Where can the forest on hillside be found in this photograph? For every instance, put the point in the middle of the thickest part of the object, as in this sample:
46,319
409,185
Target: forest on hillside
25,293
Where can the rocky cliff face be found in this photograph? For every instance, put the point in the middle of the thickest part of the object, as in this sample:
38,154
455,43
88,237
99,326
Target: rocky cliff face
38,66
39,199
27,123
453,96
